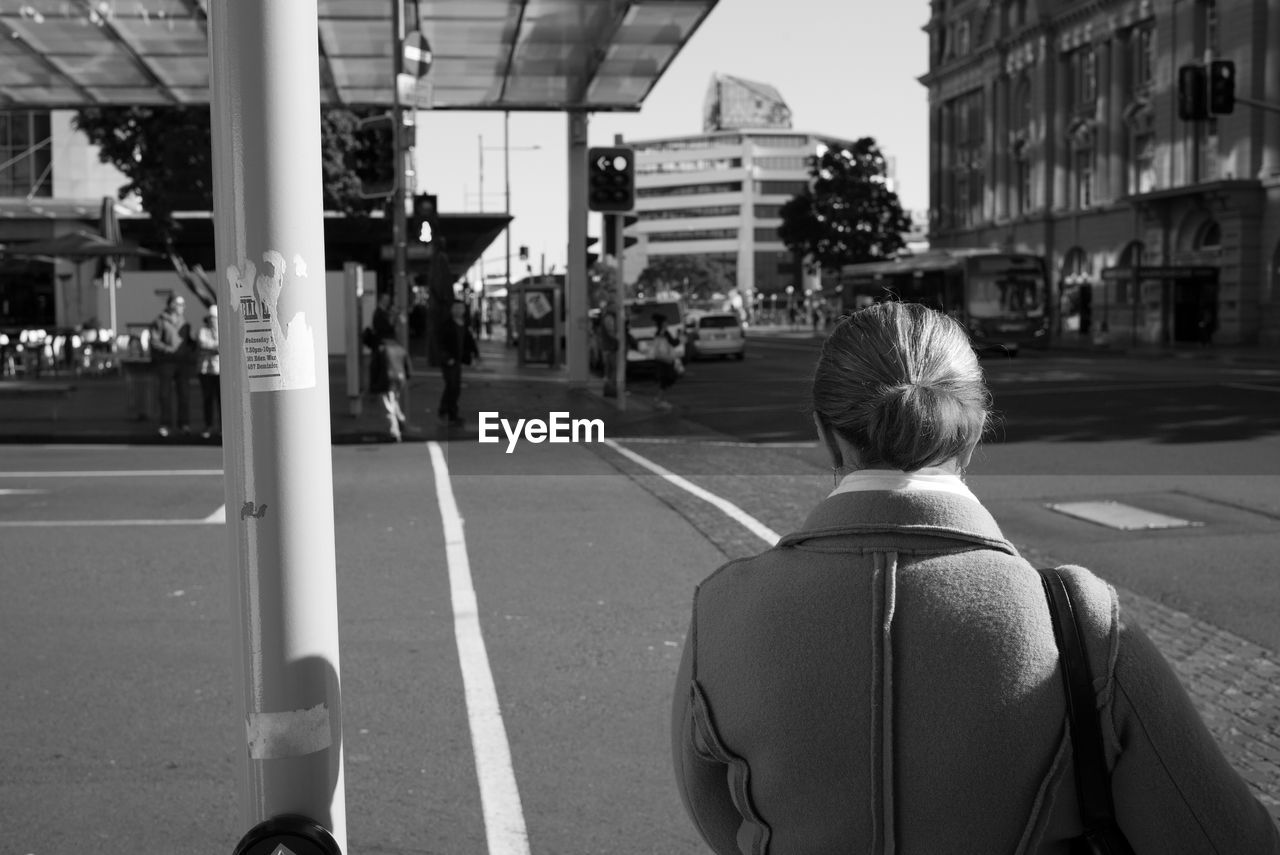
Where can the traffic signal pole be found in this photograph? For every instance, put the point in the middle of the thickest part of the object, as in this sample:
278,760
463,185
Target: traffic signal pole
278,478
575,284
400,199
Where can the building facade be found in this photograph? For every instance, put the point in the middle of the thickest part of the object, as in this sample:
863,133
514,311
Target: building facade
1054,129
716,198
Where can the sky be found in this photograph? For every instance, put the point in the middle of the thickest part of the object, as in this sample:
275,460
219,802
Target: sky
848,68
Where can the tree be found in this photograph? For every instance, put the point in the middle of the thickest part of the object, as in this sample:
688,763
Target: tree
166,155
848,214
695,277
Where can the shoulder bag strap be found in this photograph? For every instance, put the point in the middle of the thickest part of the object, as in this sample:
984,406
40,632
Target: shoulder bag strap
1093,782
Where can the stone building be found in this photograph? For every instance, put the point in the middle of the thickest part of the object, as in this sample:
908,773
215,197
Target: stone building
1054,129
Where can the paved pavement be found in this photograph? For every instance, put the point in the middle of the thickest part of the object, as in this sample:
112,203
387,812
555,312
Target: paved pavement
1234,683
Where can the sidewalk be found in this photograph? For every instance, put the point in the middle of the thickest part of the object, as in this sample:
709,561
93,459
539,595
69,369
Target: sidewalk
103,408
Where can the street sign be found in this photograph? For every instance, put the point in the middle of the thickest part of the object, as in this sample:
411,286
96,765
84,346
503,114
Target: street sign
417,54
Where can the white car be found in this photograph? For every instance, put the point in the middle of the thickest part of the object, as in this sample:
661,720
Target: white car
715,334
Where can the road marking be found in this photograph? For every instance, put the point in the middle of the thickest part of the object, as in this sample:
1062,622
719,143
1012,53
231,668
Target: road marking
1253,387
499,797
218,516
22,492
117,473
1119,515
98,523
734,512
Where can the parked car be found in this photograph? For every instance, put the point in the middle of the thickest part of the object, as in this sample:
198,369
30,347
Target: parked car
715,334
641,326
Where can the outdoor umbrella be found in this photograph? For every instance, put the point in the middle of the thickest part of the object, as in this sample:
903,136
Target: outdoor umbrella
82,245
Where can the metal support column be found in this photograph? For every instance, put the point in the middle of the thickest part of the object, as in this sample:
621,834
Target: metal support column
403,165
269,230
577,327
618,223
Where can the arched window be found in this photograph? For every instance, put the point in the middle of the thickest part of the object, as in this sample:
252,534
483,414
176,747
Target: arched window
1132,256
1209,238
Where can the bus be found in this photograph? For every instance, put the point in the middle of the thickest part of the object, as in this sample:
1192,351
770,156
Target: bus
1001,298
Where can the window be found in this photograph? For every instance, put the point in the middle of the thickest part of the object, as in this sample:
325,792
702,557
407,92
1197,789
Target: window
1023,185
780,162
962,37
703,165
768,212
967,121
689,213
25,149
1084,176
1142,45
1142,168
781,188
767,234
694,234
690,189
1084,78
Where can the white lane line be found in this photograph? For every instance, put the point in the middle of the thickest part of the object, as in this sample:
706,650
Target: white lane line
1253,387
22,492
218,516
116,473
99,523
734,512
499,797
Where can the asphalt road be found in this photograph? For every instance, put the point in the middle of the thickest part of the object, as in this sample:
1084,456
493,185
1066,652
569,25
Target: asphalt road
116,615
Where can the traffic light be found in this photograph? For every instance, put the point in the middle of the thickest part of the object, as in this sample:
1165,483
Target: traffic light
611,241
422,225
611,179
1193,93
1222,86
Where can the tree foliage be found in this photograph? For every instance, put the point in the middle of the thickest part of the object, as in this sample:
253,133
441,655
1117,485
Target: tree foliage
848,214
166,155
694,277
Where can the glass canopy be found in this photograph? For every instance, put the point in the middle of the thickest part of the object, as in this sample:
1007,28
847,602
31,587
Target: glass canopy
593,55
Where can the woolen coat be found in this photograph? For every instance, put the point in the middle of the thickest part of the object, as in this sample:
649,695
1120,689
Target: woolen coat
885,680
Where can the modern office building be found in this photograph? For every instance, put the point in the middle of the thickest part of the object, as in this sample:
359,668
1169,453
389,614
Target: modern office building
1055,129
716,196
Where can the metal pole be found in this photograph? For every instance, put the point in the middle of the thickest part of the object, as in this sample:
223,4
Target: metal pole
575,280
619,222
269,240
399,199
506,194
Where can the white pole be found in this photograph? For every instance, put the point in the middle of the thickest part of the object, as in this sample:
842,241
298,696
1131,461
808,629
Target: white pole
269,241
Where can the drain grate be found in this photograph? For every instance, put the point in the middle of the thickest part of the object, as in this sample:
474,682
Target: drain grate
1119,515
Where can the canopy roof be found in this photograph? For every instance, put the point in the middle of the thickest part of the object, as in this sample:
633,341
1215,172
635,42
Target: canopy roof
488,54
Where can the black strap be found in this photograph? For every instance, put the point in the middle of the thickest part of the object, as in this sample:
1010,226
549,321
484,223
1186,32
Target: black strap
1093,782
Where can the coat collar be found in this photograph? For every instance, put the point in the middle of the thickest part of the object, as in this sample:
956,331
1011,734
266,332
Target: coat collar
927,513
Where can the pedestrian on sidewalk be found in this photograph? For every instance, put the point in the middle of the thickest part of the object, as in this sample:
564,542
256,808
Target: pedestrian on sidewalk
888,677
457,348
210,371
389,373
665,360
173,360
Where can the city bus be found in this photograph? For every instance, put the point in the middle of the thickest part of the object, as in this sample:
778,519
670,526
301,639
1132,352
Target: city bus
1001,298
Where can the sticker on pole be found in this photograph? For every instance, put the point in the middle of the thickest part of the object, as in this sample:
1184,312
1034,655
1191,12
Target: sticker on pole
278,352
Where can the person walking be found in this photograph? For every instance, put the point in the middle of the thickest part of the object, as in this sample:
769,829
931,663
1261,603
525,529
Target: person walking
886,678
172,355
665,360
457,348
209,368
389,373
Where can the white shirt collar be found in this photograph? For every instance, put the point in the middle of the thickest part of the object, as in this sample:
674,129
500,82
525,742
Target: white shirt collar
929,478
